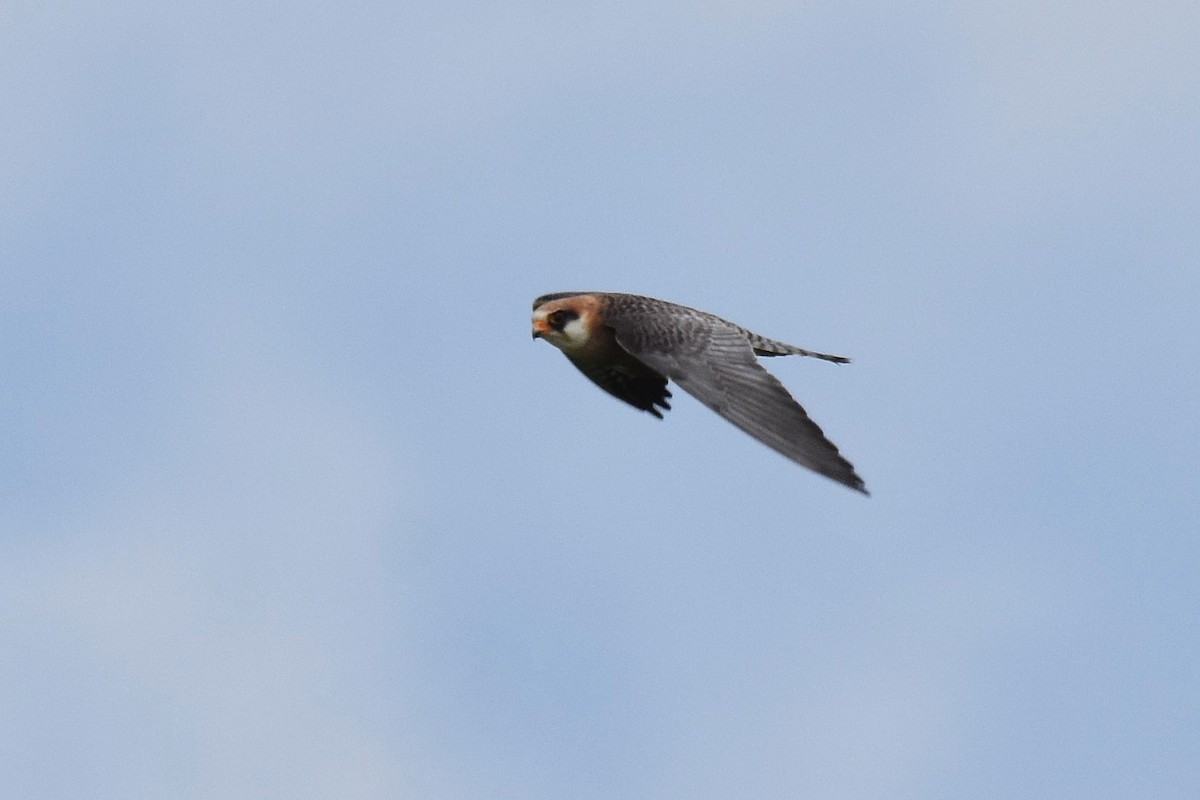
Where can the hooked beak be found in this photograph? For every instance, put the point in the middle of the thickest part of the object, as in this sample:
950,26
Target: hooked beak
539,328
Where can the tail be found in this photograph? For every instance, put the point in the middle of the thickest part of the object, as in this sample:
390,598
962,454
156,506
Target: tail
772,347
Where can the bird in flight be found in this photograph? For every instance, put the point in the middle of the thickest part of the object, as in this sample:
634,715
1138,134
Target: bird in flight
630,346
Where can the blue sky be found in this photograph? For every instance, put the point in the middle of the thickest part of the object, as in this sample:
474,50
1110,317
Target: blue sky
293,507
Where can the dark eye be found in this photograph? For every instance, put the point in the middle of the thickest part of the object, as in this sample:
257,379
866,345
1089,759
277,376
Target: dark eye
559,319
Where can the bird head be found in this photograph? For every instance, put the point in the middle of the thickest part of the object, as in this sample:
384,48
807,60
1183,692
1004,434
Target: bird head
564,322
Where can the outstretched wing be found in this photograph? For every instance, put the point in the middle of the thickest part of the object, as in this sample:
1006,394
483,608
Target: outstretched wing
713,360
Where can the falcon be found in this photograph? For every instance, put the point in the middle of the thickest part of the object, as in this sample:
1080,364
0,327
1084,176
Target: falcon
631,346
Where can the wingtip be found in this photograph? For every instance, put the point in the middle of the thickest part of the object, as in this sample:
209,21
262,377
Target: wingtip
856,483
848,478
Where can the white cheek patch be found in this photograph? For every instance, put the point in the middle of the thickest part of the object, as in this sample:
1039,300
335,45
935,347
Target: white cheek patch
574,335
